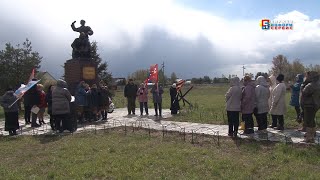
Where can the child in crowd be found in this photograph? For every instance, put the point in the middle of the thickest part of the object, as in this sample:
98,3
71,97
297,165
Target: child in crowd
42,104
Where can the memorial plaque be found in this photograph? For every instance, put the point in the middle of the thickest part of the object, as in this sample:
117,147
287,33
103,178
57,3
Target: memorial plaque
89,73
77,70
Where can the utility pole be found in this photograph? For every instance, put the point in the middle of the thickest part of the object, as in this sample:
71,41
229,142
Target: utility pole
164,80
243,68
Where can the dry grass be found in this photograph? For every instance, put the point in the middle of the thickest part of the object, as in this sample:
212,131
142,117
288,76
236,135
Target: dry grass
115,155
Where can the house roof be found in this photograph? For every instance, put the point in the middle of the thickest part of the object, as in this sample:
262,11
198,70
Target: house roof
40,74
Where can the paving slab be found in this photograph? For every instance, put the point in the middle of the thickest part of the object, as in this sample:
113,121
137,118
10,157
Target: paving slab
120,118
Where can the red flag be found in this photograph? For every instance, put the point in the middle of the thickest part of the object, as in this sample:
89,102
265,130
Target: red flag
154,73
31,75
179,84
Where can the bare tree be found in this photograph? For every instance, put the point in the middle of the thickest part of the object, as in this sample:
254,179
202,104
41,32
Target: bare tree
281,66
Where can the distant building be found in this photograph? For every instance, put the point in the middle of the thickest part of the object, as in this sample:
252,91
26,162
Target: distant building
45,76
119,81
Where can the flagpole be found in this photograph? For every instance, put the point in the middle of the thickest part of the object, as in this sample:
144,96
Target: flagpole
15,102
158,80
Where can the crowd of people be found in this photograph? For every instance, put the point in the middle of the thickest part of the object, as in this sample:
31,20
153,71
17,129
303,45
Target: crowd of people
132,92
260,97
267,95
90,104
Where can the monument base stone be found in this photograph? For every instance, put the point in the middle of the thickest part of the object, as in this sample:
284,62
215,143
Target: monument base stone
80,69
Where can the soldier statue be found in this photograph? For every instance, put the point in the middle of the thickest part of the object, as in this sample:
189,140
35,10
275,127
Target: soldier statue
81,46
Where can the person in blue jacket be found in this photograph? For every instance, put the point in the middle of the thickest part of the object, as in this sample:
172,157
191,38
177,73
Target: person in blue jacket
295,95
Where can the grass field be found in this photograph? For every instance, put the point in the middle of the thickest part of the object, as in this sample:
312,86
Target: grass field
135,155
209,106
115,155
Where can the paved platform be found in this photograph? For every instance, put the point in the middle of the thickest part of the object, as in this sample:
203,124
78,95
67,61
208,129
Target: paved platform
119,118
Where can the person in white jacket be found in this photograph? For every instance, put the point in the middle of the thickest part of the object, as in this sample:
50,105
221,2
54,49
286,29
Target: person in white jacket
233,100
273,83
278,104
262,95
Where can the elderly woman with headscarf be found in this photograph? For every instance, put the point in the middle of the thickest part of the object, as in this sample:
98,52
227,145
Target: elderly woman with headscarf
248,104
262,96
174,105
233,100
11,113
61,98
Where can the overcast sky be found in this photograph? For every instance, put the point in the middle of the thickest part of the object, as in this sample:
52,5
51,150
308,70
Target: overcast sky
192,37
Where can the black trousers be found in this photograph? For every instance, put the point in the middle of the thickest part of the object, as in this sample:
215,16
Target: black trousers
11,121
233,121
34,118
145,105
248,120
156,107
276,119
131,105
27,113
262,121
298,111
309,117
62,122
52,122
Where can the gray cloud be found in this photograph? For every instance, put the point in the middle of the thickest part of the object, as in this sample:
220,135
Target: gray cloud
188,58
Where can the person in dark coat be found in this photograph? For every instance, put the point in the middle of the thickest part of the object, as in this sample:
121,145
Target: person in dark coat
248,104
86,109
81,101
104,103
295,95
49,102
130,92
93,101
61,98
157,92
31,99
174,105
311,103
11,113
301,118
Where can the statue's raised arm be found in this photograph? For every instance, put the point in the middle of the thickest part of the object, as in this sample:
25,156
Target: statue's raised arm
85,29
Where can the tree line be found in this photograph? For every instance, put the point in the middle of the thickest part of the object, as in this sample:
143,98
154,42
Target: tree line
17,62
280,64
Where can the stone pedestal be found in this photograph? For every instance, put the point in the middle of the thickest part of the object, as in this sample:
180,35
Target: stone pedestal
80,69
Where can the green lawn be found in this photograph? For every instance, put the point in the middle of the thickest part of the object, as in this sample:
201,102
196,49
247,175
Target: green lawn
115,155
209,106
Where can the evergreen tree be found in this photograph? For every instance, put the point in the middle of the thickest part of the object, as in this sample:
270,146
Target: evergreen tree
102,69
16,64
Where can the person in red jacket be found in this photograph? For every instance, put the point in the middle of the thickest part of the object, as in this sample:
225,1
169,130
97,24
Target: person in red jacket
42,105
142,95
